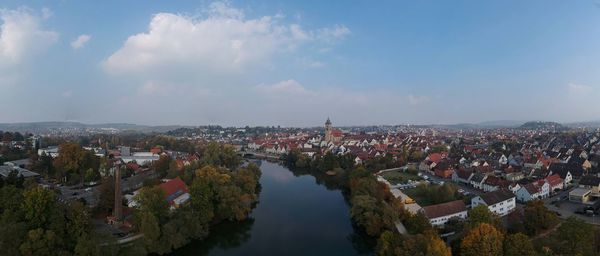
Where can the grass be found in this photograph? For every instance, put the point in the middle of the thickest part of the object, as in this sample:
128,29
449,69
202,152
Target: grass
396,177
426,195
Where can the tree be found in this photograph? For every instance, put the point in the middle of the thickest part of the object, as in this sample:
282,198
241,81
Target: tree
152,201
41,242
73,160
149,226
38,207
387,244
482,240
518,245
106,195
161,166
574,237
202,200
87,245
417,223
435,245
538,217
78,222
481,214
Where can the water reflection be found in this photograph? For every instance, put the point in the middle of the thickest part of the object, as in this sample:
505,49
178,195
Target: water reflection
299,213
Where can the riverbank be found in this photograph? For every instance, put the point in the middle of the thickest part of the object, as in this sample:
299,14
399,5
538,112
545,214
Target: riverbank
298,214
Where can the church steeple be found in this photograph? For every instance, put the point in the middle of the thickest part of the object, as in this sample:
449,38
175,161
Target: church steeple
328,130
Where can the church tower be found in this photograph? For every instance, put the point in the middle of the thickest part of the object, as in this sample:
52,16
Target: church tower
328,130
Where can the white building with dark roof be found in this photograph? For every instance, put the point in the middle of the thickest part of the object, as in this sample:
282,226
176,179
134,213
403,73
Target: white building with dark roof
500,202
439,214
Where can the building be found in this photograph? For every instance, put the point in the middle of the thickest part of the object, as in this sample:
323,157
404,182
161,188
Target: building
462,176
9,167
556,182
176,192
439,214
534,190
500,202
580,195
592,183
332,134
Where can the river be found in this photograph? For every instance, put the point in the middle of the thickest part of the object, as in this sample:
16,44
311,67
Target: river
297,214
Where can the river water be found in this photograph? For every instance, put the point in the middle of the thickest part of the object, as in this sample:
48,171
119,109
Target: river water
298,214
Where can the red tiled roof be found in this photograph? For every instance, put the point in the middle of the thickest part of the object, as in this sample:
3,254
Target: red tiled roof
173,186
554,180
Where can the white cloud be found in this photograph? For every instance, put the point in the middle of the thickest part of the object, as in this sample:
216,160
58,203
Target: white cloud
290,86
334,33
80,41
417,100
21,35
224,40
574,88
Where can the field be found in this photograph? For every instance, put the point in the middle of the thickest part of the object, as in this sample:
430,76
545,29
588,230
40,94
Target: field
398,177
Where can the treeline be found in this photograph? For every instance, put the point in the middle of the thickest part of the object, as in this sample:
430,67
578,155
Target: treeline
332,162
216,194
11,136
33,222
485,234
73,164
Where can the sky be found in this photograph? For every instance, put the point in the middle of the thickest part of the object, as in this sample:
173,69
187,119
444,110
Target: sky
295,63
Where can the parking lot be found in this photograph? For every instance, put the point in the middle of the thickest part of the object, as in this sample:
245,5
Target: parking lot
565,208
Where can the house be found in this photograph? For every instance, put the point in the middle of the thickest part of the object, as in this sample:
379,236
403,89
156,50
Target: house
462,176
439,214
556,182
590,182
500,202
534,190
493,183
9,167
478,179
443,169
176,192
566,171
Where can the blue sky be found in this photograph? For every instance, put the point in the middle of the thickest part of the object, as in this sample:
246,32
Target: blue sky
296,63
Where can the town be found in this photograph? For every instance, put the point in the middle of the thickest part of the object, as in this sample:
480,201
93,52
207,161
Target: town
443,175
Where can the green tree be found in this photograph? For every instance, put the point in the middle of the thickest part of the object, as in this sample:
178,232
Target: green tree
38,207
538,217
417,223
149,226
202,200
574,237
152,200
41,242
518,245
481,214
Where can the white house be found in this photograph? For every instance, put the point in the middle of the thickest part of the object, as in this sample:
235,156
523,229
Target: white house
535,190
478,179
439,214
500,202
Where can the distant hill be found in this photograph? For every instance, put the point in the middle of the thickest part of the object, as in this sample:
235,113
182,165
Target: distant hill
40,127
541,125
